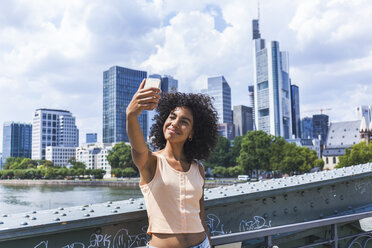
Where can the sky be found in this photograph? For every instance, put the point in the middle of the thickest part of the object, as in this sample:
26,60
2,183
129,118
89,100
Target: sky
53,53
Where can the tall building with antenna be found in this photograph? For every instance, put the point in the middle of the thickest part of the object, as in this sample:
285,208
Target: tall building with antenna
271,86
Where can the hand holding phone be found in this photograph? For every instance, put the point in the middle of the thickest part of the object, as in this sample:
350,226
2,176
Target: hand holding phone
152,82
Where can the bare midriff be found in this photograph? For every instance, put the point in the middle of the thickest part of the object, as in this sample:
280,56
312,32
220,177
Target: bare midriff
176,240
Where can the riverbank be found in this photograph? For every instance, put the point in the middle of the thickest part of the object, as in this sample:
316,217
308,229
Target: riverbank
127,183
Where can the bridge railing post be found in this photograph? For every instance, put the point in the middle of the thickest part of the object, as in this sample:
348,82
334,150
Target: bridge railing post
334,235
268,241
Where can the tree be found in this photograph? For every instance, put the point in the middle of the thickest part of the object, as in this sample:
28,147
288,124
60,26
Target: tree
309,157
292,159
120,156
219,171
235,171
49,173
319,163
360,153
76,164
255,151
235,150
48,164
277,146
221,155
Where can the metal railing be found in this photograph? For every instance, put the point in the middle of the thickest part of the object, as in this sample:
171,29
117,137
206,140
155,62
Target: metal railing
360,239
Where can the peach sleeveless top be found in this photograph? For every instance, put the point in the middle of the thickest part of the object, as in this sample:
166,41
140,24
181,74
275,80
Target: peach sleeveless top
172,199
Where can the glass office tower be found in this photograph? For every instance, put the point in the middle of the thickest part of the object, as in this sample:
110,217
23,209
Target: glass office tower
16,140
219,89
272,87
307,128
296,119
119,86
320,127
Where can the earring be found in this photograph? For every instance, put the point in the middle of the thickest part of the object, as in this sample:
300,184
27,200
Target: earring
190,138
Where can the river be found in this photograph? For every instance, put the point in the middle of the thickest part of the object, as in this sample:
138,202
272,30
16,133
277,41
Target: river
20,199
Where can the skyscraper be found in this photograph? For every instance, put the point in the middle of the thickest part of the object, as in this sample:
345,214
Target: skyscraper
16,140
91,138
320,127
52,127
251,102
119,86
366,111
243,120
272,87
295,102
219,89
307,128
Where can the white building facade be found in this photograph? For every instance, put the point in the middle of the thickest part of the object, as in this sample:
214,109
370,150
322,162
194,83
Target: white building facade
52,127
60,155
94,156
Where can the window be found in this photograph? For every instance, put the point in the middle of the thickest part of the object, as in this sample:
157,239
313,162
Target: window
327,160
334,160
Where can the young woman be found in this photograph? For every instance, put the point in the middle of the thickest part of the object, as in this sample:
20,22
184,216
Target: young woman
172,179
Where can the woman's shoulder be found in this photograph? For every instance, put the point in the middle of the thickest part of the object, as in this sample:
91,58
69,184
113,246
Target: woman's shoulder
200,166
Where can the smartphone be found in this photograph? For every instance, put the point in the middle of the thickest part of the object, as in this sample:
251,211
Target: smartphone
152,82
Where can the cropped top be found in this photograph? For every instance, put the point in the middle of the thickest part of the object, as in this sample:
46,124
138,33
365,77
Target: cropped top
172,199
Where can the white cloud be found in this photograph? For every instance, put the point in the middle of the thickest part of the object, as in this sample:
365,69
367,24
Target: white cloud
53,53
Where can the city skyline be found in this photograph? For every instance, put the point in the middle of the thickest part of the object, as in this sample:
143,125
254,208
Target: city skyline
53,53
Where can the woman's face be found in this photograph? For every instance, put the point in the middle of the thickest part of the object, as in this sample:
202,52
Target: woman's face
178,127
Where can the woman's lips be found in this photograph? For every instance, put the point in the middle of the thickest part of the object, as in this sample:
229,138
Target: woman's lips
172,131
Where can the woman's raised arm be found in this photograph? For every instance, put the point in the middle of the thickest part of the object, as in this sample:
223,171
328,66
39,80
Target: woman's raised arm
143,99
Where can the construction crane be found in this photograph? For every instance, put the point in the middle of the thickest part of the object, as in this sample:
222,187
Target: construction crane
315,110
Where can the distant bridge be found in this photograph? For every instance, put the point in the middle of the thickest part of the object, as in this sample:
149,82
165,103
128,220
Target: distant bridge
248,207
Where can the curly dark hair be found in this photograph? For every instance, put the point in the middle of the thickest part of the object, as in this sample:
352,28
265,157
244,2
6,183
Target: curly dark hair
205,123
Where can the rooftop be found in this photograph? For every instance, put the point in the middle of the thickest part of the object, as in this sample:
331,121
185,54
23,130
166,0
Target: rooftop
343,134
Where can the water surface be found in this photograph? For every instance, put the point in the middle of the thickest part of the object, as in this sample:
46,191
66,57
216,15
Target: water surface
19,199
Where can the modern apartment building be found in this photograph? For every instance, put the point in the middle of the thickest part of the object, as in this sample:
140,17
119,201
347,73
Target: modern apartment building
60,155
119,86
271,87
17,139
52,127
94,156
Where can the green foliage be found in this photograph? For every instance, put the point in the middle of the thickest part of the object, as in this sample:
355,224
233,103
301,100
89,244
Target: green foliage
277,154
221,154
360,153
261,151
19,174
255,151
49,173
219,171
292,160
76,164
127,172
319,163
48,164
120,156
235,171
98,174
235,150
